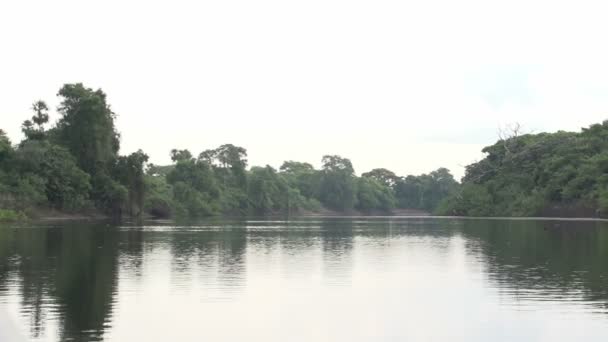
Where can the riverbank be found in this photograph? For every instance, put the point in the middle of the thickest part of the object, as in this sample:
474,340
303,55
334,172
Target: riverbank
7,215
324,212
54,215
42,214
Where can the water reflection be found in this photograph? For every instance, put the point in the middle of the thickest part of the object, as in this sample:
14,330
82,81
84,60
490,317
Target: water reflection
74,281
67,273
544,260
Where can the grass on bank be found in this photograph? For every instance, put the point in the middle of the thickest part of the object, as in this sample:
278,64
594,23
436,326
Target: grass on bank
7,215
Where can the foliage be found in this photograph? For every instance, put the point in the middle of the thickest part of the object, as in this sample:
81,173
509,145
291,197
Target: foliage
159,170
209,185
229,163
75,164
338,186
158,199
26,190
65,186
109,194
525,175
86,128
302,177
372,194
179,155
603,201
267,191
425,191
7,215
5,148
34,129
384,176
195,189
129,171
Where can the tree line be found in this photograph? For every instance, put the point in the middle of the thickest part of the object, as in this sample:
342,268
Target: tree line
546,174
75,166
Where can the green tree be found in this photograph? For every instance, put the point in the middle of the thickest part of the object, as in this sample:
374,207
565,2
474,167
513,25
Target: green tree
562,173
195,188
158,200
130,172
426,191
64,185
86,128
408,191
303,177
159,170
229,163
267,191
386,177
338,188
34,129
6,149
372,194
178,155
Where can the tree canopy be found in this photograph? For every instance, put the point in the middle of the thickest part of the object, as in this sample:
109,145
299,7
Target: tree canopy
562,173
74,164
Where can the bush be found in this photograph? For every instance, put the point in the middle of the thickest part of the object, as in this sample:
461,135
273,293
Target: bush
7,215
603,202
473,200
159,197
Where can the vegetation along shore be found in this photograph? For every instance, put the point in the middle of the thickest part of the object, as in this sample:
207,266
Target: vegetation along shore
73,166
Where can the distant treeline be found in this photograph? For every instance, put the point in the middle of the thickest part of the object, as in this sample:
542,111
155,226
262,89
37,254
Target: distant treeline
75,166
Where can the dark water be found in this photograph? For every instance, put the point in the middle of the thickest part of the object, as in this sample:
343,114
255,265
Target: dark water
370,279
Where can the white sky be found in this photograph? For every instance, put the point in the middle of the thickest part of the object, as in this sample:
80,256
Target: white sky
406,85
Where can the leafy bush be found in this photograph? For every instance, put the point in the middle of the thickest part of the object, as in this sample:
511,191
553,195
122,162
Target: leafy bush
7,215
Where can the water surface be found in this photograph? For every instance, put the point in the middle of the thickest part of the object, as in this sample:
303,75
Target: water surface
321,279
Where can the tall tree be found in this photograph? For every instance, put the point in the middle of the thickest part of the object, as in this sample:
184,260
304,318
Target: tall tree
5,148
34,129
372,194
229,164
384,176
130,172
267,190
86,127
195,189
338,188
179,155
303,177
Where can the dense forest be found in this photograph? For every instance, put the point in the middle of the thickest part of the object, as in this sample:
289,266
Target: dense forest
74,166
550,174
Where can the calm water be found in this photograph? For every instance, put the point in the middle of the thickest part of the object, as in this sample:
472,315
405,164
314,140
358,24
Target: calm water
370,279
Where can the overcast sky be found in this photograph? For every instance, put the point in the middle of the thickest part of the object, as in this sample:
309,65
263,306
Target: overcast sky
406,85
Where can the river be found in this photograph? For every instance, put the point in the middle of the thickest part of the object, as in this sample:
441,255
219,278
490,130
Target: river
313,279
